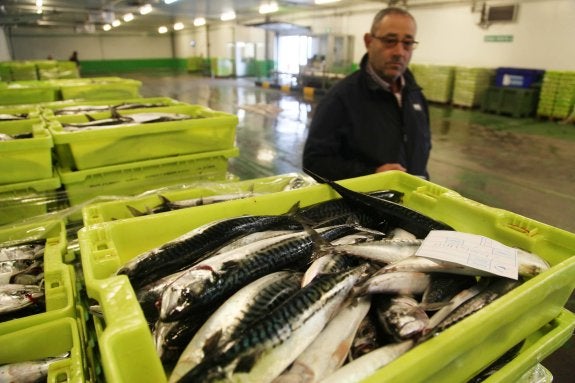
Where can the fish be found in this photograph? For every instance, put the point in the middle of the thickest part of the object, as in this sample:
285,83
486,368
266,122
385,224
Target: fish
400,282
149,296
235,315
15,297
327,264
396,214
364,366
13,117
123,121
219,277
330,348
80,109
529,265
443,287
29,371
30,250
185,250
384,251
271,344
366,339
207,200
11,137
497,288
401,316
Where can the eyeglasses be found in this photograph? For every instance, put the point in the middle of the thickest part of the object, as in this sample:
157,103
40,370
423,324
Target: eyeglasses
391,42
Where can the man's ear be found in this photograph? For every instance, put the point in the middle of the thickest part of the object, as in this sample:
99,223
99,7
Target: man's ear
367,39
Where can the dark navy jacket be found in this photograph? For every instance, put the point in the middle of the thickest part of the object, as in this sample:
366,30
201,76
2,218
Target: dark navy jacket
359,126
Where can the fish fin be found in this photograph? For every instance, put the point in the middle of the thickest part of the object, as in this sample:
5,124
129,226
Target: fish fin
114,112
89,118
135,212
211,346
166,203
247,362
433,306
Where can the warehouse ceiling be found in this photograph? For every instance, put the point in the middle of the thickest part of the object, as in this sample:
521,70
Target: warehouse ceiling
91,16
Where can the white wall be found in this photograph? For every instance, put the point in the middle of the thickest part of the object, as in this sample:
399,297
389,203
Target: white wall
543,37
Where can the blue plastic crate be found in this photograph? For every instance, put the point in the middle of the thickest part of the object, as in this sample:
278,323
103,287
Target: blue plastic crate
518,77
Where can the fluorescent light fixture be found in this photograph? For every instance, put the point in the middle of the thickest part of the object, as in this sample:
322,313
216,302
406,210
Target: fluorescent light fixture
116,23
163,29
270,7
107,27
178,26
199,21
227,16
169,1
145,9
128,17
39,4
325,1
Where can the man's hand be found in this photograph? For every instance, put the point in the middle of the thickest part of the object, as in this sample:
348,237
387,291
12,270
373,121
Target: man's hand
386,167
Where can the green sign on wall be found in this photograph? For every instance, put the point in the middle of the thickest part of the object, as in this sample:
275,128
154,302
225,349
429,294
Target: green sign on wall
498,38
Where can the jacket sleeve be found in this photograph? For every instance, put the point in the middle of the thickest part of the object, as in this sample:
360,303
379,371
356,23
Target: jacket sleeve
326,146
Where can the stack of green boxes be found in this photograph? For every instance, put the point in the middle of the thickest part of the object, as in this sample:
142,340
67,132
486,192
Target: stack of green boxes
557,98
470,85
436,81
28,70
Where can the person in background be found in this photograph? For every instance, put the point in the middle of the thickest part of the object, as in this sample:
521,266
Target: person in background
377,118
74,57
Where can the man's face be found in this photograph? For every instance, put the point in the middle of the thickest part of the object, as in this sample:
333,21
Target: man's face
389,47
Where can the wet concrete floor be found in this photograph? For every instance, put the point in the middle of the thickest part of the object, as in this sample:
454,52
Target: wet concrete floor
491,159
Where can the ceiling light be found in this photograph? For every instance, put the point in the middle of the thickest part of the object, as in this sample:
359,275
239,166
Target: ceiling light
199,21
39,4
169,1
128,17
268,8
116,23
227,16
178,26
163,29
145,9
107,27
326,1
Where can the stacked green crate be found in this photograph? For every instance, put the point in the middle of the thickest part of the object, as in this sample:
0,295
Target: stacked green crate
565,97
436,81
23,71
548,93
5,72
47,69
68,69
470,85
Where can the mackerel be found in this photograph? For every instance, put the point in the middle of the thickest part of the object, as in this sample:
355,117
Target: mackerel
383,251
218,277
236,315
396,214
443,287
329,350
28,371
23,251
327,264
395,283
273,343
401,317
15,297
366,365
185,250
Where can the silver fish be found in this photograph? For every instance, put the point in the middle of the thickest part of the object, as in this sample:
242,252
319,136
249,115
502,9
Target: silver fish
124,121
366,365
383,251
238,312
401,317
443,287
13,117
399,282
28,371
16,297
330,348
493,291
24,251
269,346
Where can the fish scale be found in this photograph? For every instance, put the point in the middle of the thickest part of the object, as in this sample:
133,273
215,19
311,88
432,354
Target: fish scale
235,274
189,248
295,316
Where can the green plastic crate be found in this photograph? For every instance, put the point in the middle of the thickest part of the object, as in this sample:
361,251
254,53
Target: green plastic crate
28,92
98,88
24,200
536,348
206,131
48,339
23,71
118,209
25,159
138,177
455,355
59,276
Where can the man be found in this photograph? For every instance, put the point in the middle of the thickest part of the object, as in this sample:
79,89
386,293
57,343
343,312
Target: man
376,119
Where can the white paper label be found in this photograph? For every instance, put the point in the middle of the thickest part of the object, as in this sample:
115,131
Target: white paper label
471,250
